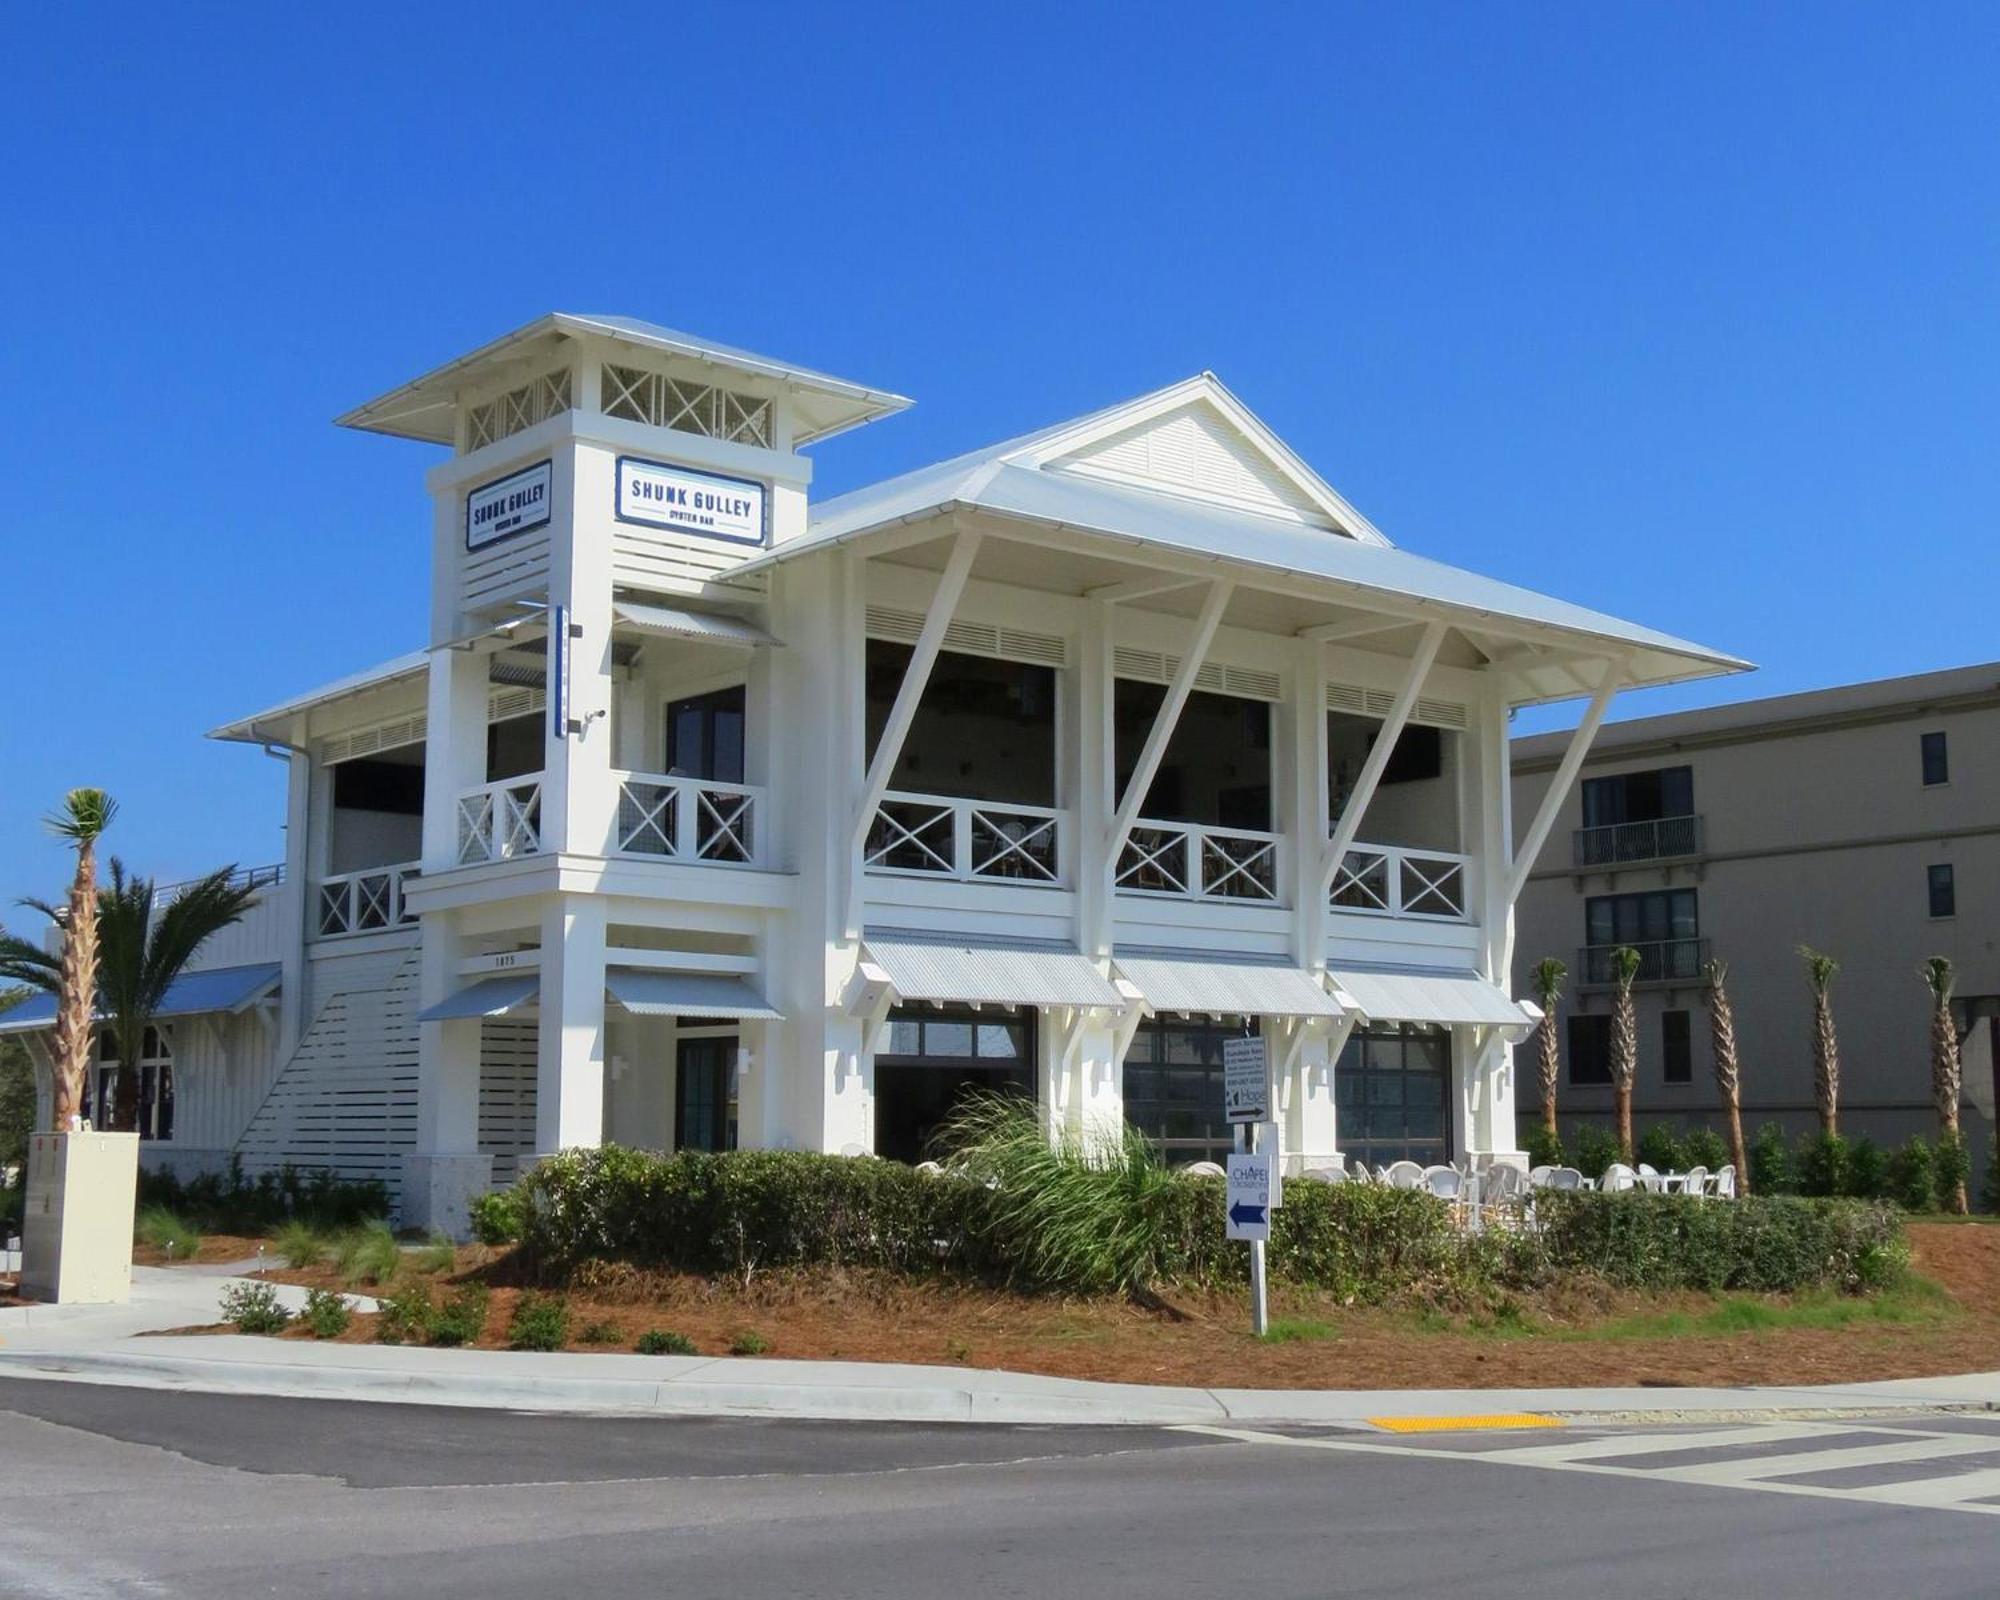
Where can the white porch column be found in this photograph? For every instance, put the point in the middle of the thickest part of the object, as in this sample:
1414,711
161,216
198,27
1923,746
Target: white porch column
454,747
447,1169
579,798
570,1046
1489,1057
1311,1129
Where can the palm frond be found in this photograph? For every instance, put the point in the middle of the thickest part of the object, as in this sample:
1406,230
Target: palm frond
25,962
83,817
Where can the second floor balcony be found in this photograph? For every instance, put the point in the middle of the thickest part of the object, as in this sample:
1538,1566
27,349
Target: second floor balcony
1660,961
1628,843
366,901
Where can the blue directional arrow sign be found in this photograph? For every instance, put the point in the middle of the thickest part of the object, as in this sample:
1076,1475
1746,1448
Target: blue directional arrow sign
1249,1216
1248,1196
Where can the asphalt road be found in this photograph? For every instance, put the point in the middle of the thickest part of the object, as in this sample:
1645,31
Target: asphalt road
117,1492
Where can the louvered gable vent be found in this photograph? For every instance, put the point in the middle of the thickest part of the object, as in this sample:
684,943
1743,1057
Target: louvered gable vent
971,638
1248,683
1360,702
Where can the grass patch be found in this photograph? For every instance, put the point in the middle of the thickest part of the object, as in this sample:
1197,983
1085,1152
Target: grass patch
749,1343
436,1254
665,1342
163,1228
540,1322
1297,1330
300,1245
368,1254
1914,1301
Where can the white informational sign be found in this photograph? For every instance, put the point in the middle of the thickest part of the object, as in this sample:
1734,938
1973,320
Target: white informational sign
1250,1195
705,503
507,506
1246,1080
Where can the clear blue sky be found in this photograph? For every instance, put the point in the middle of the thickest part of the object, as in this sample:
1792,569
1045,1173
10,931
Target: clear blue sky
1691,313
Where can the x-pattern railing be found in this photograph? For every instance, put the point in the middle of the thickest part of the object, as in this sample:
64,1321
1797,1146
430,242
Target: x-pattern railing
1199,863
971,840
1388,880
723,830
686,819
363,902
498,821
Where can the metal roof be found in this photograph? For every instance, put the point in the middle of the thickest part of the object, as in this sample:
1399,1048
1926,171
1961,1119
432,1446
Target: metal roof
687,994
671,623
192,994
413,665
426,407
1385,994
1201,985
489,997
993,973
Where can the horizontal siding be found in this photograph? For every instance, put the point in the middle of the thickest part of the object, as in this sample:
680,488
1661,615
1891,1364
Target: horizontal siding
507,1049
505,571
1195,452
650,558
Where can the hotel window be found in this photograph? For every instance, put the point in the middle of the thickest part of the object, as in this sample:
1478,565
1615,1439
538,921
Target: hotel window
1676,1047
1663,924
1390,1090
1943,890
1638,796
1937,760
1589,1050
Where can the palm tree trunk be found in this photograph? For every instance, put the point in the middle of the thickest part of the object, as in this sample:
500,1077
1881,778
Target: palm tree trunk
76,1002
1947,1081
1624,1066
1826,1066
1728,1076
1548,1069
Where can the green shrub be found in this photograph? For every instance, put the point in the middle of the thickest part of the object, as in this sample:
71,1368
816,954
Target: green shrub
1912,1176
540,1322
599,1332
1704,1147
664,1342
230,1202
1662,1150
407,1314
1867,1169
1951,1166
1822,1165
368,1254
436,1254
254,1308
1989,1193
749,1343
327,1313
462,1317
1770,1161
1544,1149
165,1229
300,1245
1761,1244
1595,1149
496,1218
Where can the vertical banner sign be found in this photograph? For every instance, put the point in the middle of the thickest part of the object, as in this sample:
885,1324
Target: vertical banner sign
558,672
1246,1080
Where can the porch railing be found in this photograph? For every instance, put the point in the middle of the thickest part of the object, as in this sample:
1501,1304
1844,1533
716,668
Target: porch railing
1660,961
1386,880
1193,862
498,821
688,819
1661,839
363,902
982,841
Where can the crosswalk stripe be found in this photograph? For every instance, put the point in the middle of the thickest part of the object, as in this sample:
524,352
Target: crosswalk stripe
1943,1493
1861,1455
1606,1448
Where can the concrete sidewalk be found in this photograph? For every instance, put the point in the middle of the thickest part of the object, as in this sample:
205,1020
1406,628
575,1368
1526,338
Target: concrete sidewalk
106,1344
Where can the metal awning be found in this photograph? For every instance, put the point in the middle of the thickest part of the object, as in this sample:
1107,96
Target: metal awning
669,623
489,997
1205,986
229,990
688,994
1405,995
997,973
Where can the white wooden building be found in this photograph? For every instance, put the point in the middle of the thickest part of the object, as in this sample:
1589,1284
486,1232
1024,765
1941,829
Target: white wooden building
713,814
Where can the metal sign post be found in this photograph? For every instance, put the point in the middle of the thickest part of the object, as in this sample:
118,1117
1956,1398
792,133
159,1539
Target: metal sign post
1252,1192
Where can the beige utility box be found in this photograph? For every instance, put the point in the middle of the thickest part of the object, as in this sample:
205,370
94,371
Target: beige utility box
76,1238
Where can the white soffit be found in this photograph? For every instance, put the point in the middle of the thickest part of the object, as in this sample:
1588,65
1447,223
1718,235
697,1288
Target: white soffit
1002,973
670,623
687,994
489,997
1445,998
1202,986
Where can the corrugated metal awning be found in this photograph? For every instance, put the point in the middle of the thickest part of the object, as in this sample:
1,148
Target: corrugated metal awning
1205,986
192,994
1404,995
688,994
669,623
489,997
1000,973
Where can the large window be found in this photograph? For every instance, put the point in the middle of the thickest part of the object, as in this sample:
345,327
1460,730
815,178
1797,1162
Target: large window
1638,796
378,811
930,1061
705,736
1589,1050
1936,760
156,1085
984,730
1416,803
705,1094
1645,918
1217,765
1173,1088
1943,889
1390,1089
1676,1047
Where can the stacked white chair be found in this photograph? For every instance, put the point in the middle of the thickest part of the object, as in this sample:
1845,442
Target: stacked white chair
1403,1175
1723,1184
1617,1178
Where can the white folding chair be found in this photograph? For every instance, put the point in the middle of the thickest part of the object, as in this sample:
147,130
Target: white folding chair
1205,1169
1538,1177
1447,1183
1567,1178
1617,1178
1360,1174
1403,1175
1723,1184
1695,1182
1651,1178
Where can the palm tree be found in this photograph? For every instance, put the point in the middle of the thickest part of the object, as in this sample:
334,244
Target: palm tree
139,957
1728,1078
1820,969
1624,1043
1547,977
1945,1074
84,816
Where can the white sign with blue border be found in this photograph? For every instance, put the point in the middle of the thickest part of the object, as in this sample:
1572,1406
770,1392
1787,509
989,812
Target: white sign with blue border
507,506
705,503
1250,1195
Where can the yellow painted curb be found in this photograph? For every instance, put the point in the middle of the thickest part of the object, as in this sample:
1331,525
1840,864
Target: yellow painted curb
1503,1419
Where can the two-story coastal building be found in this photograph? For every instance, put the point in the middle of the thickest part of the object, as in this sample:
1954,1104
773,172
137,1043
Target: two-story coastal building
709,814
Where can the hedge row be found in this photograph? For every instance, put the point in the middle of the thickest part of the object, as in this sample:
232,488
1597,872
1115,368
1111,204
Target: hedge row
749,1211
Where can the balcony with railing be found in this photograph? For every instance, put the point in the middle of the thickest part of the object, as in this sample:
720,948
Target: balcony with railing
969,841
366,901
1626,843
671,818
1190,861
1380,880
499,821
1660,961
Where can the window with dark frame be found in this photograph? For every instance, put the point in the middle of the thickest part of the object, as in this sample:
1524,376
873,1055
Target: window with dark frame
1646,796
1676,1047
1391,1093
1937,760
985,728
1943,890
1589,1049
705,736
